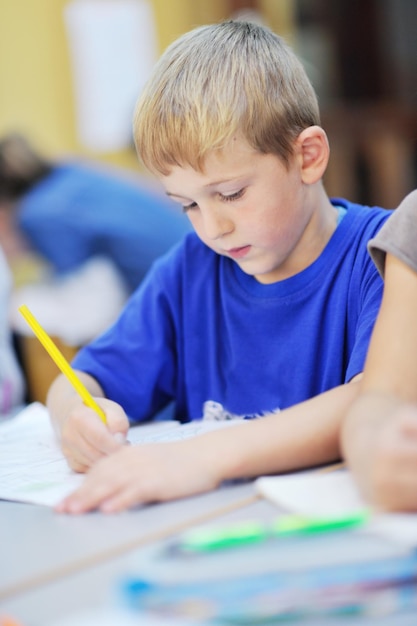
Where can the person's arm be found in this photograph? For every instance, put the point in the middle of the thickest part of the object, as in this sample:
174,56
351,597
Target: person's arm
83,436
379,435
302,436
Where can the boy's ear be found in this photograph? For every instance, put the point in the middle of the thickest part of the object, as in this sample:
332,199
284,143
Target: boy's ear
313,148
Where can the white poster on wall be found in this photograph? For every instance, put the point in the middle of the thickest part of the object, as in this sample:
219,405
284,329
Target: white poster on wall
112,47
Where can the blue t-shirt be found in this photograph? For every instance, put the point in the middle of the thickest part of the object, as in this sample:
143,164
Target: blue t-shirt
79,211
203,333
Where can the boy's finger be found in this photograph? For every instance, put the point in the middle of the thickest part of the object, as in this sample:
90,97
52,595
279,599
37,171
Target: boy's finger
83,500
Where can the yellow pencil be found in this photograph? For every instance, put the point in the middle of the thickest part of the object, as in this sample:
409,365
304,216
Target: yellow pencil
61,362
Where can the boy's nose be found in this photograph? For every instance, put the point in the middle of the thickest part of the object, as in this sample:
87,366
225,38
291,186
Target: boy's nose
216,224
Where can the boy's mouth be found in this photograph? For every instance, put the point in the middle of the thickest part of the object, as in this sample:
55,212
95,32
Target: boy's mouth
238,253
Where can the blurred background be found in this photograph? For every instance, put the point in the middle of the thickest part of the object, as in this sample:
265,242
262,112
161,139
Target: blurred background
70,71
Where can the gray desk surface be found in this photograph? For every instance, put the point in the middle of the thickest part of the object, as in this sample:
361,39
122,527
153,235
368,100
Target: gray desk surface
83,559
94,586
39,545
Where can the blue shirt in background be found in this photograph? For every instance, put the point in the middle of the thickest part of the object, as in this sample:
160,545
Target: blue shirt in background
78,212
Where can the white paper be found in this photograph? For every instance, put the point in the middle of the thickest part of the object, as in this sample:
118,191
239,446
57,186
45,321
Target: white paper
33,468
113,48
331,495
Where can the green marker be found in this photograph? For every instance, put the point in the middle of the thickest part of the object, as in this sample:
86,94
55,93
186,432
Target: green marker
208,540
221,538
295,524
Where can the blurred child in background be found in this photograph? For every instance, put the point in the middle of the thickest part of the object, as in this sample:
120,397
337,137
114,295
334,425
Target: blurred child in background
70,211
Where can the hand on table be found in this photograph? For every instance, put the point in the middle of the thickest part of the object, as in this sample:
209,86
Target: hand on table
144,473
141,474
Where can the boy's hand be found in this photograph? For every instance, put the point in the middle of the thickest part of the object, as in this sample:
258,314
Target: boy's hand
85,438
142,474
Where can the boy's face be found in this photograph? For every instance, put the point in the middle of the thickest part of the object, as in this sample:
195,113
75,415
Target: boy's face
249,207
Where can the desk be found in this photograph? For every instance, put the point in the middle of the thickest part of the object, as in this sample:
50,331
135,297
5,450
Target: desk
88,555
40,545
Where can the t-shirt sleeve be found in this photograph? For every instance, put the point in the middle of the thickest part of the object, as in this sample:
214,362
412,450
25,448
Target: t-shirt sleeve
134,361
397,236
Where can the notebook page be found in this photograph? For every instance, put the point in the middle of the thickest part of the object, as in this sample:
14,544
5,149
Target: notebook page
33,468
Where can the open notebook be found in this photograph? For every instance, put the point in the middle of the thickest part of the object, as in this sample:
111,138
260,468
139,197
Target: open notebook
33,469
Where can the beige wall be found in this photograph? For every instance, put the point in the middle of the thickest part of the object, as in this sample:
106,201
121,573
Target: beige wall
35,77
34,73
174,17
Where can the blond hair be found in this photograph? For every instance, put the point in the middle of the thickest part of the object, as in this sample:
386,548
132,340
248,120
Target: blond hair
217,82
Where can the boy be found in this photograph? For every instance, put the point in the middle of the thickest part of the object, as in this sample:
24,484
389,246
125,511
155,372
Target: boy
268,305
379,435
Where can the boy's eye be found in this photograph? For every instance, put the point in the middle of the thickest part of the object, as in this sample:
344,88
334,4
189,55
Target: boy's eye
187,207
232,196
223,198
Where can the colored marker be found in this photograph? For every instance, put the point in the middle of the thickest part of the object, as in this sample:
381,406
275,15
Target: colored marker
57,356
208,540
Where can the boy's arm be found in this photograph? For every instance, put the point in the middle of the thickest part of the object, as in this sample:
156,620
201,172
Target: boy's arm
302,436
379,436
83,437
